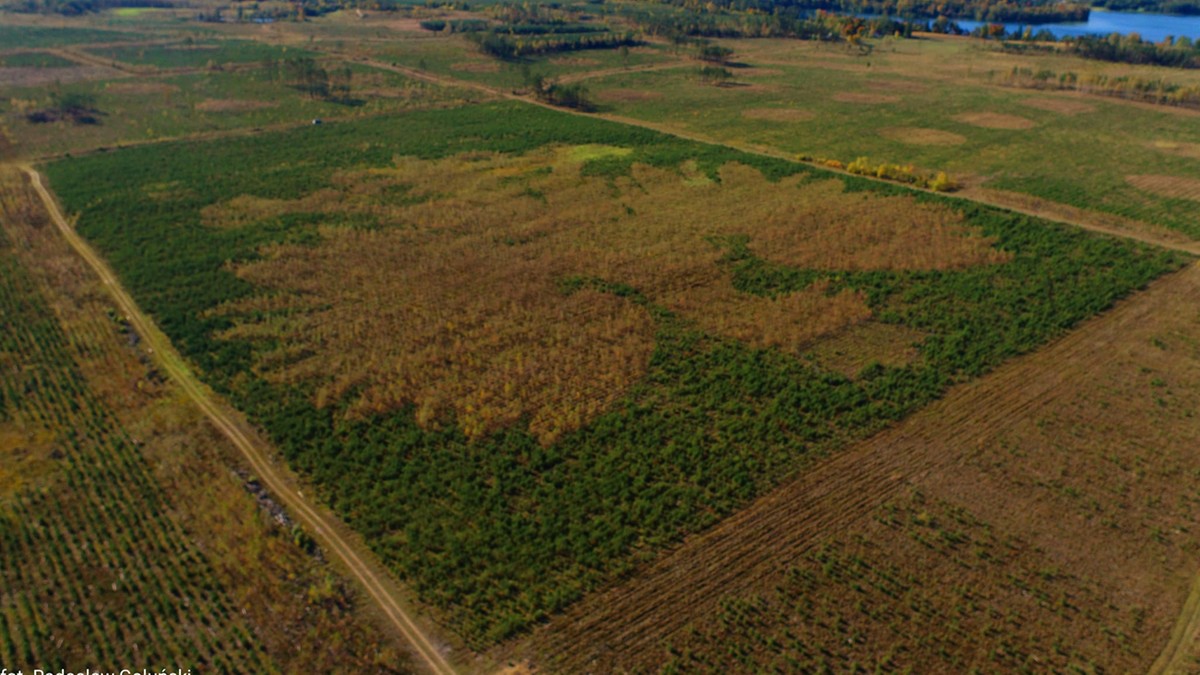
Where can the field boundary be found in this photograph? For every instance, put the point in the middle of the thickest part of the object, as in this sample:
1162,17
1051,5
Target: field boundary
322,526
1172,658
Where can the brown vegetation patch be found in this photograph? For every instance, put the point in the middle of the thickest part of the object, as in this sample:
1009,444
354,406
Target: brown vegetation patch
628,95
245,210
863,97
386,315
476,67
1174,187
871,342
1064,106
789,322
1179,149
40,77
141,88
778,114
232,105
858,231
898,86
922,136
990,120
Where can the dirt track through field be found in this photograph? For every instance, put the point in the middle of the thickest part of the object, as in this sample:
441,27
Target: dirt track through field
325,528
606,631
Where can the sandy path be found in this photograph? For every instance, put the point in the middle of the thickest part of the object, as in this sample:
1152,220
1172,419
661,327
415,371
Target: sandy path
325,528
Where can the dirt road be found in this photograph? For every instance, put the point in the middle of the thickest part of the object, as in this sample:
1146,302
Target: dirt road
324,527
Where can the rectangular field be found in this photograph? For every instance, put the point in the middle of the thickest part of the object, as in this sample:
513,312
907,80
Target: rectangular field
523,351
198,54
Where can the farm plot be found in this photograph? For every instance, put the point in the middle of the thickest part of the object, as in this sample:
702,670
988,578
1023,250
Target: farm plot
1042,517
154,108
932,103
124,533
12,37
522,351
207,53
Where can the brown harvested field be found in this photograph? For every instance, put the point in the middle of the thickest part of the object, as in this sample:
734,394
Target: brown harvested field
232,105
778,114
628,95
1043,517
1189,150
922,136
865,98
990,120
1059,104
544,240
1174,187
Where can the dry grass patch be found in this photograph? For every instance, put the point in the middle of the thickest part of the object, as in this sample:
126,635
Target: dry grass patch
1064,106
1174,187
778,114
42,77
898,86
1179,149
990,120
866,98
867,343
473,296
136,88
246,210
860,231
232,105
788,322
922,136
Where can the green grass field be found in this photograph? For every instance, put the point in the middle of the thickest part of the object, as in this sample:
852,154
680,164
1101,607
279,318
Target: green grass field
898,107
501,529
35,60
199,54
148,109
38,36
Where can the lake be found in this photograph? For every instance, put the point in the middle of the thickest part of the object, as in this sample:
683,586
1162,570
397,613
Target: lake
1152,27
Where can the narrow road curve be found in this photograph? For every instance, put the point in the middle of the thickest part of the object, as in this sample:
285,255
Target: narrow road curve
319,523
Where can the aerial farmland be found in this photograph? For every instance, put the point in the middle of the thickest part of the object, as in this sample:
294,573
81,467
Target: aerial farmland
614,336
